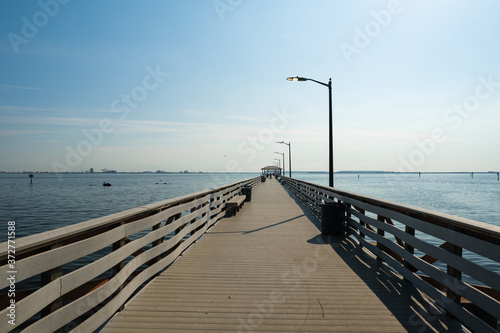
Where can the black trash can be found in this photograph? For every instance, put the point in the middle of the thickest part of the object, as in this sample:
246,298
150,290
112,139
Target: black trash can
333,219
262,178
247,190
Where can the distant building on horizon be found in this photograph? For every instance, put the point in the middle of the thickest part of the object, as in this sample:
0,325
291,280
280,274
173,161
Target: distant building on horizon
91,170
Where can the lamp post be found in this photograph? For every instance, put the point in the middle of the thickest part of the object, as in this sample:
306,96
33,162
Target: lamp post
329,85
283,154
279,163
289,157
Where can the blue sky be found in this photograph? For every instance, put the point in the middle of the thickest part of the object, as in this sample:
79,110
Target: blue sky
200,85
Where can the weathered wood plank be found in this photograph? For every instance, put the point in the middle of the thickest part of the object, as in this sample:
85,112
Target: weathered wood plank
271,251
103,314
57,257
488,232
89,301
46,238
481,238
465,316
478,272
456,285
32,304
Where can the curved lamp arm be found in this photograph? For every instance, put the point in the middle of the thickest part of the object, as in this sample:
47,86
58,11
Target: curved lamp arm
299,78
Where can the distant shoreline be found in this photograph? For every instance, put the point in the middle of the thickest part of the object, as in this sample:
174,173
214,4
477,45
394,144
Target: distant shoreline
422,172
223,172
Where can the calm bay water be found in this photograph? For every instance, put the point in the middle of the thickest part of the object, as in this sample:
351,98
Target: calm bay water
476,198
52,202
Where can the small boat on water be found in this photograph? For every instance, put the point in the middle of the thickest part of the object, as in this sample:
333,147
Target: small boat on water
106,184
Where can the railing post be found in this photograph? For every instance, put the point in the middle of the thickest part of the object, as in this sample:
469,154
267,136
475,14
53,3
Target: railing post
202,216
218,205
170,220
362,211
193,220
348,208
157,242
46,278
118,267
205,214
381,233
179,229
210,209
453,272
116,245
409,248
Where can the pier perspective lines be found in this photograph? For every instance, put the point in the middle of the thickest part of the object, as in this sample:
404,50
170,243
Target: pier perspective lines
268,269
131,247
254,256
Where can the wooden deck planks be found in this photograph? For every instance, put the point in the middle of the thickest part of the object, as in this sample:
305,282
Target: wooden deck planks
269,270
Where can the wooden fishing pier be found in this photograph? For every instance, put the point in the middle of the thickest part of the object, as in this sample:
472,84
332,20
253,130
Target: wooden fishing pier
188,264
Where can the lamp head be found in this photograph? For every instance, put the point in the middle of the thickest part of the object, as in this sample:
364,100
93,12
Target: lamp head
296,78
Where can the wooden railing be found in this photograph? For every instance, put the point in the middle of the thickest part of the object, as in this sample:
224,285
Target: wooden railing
139,243
394,233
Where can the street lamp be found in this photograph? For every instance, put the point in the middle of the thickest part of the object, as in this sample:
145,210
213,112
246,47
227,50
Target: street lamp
279,163
283,161
289,157
329,85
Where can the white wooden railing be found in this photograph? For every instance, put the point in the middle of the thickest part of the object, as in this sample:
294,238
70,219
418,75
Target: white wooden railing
393,233
139,243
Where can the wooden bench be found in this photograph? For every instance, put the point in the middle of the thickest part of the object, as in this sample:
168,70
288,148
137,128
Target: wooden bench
233,205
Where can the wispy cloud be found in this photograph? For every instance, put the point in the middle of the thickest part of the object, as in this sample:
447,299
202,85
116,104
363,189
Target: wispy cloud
56,121
9,86
248,118
114,149
14,132
29,108
148,126
15,108
133,127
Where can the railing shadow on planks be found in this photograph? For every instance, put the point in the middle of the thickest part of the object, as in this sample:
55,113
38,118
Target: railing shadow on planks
434,263
82,300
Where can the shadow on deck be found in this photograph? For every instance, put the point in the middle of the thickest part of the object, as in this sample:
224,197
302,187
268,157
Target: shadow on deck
418,313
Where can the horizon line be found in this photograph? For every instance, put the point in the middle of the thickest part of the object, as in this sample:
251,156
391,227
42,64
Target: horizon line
236,172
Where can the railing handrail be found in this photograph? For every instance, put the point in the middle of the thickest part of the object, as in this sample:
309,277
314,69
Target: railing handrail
371,221
480,230
165,229
47,238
